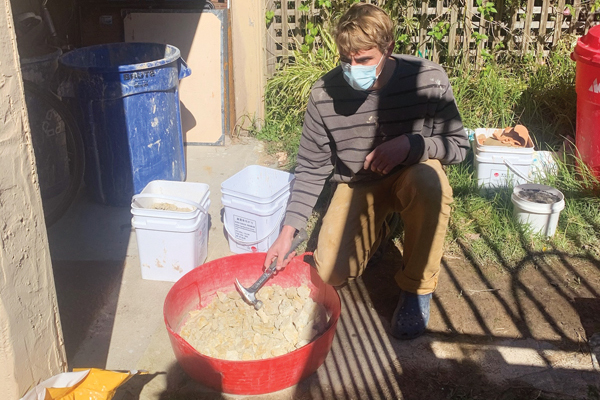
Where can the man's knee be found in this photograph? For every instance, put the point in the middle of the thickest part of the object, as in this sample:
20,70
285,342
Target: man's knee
330,270
427,186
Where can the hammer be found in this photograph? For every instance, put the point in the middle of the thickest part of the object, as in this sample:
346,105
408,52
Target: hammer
249,294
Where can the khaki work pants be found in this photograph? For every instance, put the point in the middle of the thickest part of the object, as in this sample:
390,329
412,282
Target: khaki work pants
352,228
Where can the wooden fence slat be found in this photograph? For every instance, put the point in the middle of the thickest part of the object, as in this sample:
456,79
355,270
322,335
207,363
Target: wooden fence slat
536,27
439,10
542,30
284,32
297,18
453,27
496,30
271,45
410,12
423,28
558,22
510,36
526,35
467,27
575,15
482,26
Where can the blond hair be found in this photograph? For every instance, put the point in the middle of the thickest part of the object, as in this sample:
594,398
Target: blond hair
363,27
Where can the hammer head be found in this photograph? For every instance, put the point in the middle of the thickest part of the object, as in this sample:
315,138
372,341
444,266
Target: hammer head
248,296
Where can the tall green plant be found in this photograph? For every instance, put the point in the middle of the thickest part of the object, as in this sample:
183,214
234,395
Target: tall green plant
286,94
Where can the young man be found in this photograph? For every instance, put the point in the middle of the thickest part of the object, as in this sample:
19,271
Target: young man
380,126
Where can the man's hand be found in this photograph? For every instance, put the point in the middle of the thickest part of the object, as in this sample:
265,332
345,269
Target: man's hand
280,248
388,155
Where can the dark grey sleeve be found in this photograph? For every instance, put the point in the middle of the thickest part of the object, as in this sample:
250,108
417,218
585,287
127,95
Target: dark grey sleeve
313,167
448,142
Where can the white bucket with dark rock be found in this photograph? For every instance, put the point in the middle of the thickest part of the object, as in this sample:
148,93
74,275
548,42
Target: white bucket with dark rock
538,206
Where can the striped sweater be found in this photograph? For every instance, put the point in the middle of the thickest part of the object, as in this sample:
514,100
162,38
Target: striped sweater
342,126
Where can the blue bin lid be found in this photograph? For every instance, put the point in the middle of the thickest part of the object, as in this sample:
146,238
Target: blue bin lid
121,57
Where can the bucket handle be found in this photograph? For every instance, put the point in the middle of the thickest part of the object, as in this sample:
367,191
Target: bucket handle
168,197
515,171
184,70
257,241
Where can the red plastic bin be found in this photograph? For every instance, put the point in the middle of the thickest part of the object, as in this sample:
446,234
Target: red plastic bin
197,289
587,86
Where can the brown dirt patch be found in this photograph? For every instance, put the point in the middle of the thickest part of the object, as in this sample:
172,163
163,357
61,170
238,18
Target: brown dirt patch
498,332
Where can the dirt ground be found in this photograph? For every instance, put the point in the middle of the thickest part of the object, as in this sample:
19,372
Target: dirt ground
499,333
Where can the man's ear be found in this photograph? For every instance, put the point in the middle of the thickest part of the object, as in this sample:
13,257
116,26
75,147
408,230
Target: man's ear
390,49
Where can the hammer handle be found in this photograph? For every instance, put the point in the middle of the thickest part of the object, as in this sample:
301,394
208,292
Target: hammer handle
300,237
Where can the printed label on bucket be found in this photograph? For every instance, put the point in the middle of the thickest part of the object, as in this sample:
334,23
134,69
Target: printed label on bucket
497,174
244,229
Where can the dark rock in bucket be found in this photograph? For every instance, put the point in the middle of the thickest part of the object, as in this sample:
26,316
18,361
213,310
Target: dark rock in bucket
538,196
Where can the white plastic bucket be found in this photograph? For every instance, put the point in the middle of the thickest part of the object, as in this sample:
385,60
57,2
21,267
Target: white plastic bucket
171,243
500,166
254,202
501,170
541,217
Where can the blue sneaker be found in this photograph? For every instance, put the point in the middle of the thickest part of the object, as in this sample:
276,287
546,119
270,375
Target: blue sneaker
411,316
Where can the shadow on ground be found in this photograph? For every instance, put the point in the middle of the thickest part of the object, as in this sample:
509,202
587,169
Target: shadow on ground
495,333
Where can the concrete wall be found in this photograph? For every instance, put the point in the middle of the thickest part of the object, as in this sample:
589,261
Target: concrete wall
249,57
31,345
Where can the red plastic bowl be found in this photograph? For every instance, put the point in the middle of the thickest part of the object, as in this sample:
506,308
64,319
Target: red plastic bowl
197,288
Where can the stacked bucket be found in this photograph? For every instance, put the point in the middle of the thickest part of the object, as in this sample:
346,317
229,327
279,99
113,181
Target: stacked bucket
254,203
171,240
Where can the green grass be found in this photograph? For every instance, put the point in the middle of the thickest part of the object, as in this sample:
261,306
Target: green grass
539,94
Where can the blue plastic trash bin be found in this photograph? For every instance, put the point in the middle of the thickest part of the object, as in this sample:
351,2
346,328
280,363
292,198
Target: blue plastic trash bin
127,99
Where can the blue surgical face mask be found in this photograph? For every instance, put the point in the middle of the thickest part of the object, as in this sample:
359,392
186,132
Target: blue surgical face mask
360,77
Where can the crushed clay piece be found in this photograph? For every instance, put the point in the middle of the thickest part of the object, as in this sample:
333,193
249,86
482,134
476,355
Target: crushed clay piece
230,329
517,136
169,207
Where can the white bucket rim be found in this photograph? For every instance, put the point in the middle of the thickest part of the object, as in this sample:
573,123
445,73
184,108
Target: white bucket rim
497,158
143,211
538,208
228,187
155,225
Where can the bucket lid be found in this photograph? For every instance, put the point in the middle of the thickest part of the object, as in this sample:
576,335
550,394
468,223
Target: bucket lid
258,184
588,47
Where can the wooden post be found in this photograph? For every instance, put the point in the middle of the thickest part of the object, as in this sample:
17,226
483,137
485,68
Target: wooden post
423,29
297,24
558,22
410,12
526,38
575,15
453,27
285,28
439,11
482,30
271,45
510,37
541,39
467,27
496,30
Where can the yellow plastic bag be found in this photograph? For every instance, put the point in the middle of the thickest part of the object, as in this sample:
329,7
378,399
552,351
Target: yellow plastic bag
88,384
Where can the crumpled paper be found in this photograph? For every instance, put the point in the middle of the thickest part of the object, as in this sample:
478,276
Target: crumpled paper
88,384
